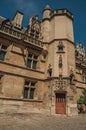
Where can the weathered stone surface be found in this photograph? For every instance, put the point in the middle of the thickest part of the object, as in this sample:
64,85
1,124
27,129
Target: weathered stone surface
44,54
41,122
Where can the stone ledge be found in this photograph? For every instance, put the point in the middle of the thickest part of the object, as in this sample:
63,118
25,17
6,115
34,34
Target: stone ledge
18,99
22,67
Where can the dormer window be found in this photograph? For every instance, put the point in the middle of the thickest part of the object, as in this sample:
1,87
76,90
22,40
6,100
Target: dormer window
35,27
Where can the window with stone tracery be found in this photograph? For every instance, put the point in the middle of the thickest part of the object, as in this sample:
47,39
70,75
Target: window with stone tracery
29,89
34,33
32,60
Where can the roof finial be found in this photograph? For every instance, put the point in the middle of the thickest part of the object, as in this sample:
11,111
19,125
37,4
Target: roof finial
47,7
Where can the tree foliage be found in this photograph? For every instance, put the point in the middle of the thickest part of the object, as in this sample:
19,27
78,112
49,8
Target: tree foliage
82,101
84,96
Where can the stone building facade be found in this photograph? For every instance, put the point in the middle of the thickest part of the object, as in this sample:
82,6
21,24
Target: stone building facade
41,70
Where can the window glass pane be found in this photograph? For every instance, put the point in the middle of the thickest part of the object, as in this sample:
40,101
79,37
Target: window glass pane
4,47
35,57
32,93
26,92
27,83
29,63
34,64
33,83
30,55
2,55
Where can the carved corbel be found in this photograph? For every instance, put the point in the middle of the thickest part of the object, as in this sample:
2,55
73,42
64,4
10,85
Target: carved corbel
44,51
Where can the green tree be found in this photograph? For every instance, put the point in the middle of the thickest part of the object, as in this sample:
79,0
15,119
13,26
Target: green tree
82,101
80,104
84,96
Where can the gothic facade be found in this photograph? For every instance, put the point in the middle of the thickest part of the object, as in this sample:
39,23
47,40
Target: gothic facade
41,70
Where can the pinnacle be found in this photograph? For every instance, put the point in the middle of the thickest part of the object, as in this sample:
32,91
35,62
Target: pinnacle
47,7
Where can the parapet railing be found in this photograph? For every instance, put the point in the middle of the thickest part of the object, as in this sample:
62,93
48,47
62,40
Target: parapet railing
81,61
61,12
21,36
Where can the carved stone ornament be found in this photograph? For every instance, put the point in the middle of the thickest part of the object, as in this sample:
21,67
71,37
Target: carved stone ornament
34,28
72,77
49,70
35,23
59,84
60,46
44,51
60,61
80,52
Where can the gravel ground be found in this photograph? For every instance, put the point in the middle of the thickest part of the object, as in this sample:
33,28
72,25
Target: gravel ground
41,122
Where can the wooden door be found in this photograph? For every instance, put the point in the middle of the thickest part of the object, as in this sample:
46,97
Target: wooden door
60,103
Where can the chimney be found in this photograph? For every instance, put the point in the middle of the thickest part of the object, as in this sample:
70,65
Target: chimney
17,20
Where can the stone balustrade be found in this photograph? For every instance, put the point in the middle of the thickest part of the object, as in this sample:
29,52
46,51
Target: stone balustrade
21,36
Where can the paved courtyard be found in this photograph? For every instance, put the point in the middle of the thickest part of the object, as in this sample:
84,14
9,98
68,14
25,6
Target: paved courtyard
41,122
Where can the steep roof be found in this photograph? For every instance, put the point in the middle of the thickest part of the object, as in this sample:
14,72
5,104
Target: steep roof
23,29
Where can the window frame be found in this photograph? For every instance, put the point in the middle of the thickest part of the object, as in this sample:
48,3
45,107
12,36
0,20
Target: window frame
3,51
33,60
29,87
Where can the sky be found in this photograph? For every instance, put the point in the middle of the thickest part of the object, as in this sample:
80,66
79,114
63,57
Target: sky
30,8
